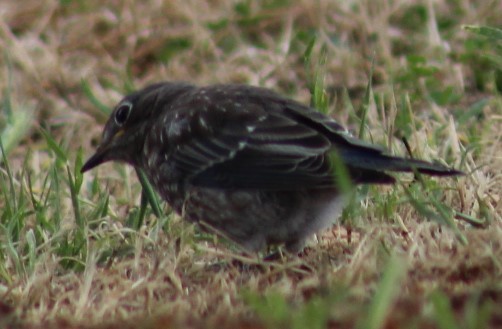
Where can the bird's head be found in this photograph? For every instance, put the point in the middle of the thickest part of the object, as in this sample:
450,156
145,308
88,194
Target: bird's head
124,133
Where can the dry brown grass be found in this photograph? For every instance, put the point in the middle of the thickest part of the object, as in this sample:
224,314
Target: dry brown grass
170,278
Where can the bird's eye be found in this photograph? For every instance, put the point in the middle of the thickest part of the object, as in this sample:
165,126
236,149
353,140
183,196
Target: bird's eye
122,113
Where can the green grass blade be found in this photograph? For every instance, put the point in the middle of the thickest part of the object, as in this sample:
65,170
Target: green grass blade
150,194
18,121
365,105
54,146
12,197
442,215
485,31
386,292
32,250
74,198
443,312
86,88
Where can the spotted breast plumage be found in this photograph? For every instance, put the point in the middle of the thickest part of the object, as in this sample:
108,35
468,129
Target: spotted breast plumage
243,161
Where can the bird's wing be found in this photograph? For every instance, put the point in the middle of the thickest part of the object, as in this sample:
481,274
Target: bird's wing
227,144
278,153
249,139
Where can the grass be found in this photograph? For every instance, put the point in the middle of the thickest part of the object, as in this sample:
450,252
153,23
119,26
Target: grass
88,251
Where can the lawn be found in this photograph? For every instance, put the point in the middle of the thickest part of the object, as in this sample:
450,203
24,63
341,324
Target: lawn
90,251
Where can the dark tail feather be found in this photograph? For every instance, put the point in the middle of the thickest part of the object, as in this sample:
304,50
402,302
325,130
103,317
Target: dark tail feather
378,162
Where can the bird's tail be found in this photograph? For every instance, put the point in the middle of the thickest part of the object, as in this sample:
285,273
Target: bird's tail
370,166
392,163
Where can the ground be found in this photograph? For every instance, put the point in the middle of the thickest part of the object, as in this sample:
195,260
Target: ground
81,252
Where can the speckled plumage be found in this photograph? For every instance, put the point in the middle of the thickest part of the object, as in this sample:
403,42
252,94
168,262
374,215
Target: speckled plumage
243,161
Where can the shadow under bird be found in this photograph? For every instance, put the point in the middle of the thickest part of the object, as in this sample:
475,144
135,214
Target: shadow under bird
243,161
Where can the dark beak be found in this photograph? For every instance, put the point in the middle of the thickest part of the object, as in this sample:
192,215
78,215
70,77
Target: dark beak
104,151
98,158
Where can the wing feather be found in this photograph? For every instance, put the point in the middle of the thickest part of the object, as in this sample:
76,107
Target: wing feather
252,138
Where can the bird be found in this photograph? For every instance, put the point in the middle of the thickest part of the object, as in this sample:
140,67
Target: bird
245,162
